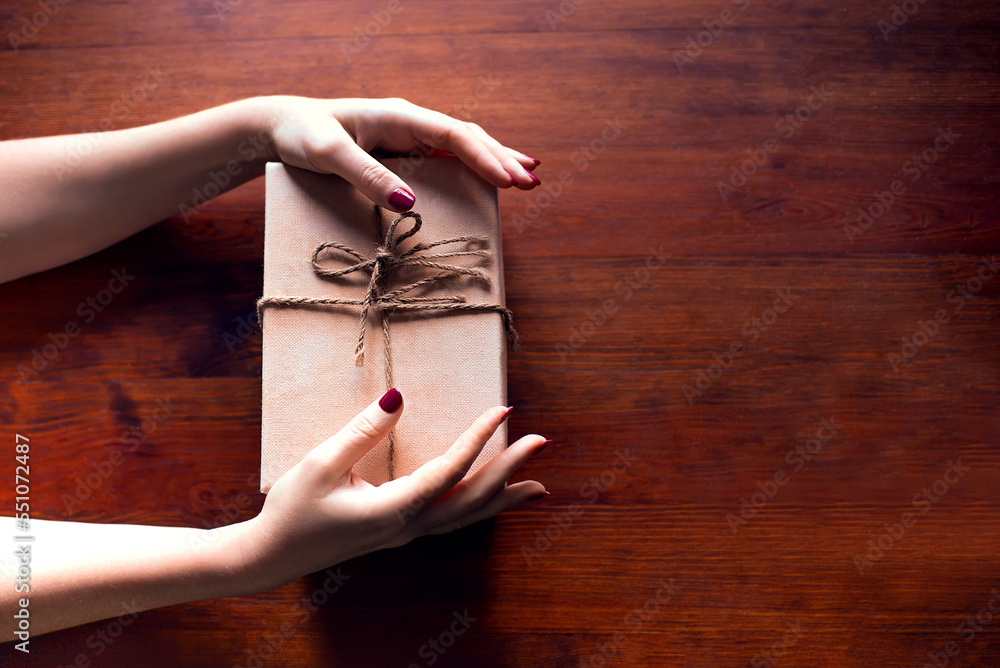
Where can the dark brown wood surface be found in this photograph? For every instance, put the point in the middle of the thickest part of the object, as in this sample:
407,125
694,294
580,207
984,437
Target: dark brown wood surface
644,474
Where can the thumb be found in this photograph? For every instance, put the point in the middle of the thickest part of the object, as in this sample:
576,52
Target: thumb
373,179
343,450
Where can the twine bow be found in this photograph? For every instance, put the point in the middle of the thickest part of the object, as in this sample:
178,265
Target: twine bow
387,259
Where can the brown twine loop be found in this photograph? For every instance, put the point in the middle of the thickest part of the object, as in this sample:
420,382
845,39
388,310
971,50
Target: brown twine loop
388,257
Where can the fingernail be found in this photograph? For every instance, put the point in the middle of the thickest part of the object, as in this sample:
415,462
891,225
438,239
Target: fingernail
534,178
538,495
401,199
513,181
391,401
509,409
543,445
533,159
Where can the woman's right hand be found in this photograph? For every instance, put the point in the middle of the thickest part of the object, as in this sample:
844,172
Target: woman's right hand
321,513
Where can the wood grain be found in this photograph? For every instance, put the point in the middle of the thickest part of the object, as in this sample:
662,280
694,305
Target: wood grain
631,278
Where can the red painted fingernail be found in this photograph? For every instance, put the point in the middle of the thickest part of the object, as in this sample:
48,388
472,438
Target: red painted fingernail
513,181
534,178
533,159
391,401
538,495
401,199
543,445
509,409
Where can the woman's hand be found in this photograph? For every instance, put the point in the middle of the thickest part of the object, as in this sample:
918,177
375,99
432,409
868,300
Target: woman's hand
336,136
133,178
321,513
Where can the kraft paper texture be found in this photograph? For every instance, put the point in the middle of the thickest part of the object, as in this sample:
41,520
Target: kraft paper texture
449,367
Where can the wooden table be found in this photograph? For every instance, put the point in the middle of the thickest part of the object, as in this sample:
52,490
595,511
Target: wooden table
759,301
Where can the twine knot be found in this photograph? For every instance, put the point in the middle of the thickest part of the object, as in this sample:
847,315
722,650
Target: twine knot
387,259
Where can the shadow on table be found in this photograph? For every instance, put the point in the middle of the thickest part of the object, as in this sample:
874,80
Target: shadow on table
411,605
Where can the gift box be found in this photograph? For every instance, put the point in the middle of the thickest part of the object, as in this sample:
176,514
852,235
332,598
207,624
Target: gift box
437,296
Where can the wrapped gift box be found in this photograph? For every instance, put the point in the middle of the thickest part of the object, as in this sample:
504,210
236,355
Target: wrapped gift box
450,365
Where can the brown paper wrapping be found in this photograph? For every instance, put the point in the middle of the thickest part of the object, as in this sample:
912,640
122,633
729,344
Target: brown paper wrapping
449,366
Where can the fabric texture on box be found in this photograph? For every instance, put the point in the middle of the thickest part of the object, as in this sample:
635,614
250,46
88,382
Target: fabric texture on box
449,366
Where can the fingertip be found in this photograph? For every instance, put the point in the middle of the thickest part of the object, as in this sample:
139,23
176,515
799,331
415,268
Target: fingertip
391,401
471,442
525,491
507,411
528,179
531,442
401,200
525,160
534,161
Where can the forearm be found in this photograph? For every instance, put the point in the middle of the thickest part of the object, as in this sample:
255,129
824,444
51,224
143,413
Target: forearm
82,572
56,207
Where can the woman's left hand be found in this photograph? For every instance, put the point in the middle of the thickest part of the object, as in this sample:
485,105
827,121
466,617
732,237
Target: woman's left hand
337,136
